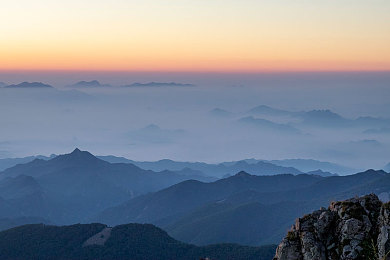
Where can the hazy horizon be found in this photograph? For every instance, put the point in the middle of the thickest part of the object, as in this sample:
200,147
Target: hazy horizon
116,120
296,56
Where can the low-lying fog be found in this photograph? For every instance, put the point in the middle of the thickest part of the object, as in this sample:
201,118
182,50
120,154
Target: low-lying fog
209,122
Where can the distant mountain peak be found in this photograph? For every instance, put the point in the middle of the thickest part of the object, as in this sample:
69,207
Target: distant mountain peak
242,174
322,173
89,84
92,82
267,110
76,151
78,156
37,160
387,167
152,127
29,85
324,113
220,112
372,171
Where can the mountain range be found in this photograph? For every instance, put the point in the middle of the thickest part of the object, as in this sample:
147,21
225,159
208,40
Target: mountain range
318,118
29,85
268,125
222,113
253,166
257,167
88,84
269,111
73,187
307,165
258,208
192,207
33,93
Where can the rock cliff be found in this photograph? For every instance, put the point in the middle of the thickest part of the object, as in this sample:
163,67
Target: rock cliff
357,228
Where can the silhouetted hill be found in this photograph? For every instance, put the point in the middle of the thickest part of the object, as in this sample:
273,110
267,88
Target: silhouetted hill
167,206
252,166
88,84
218,112
76,186
321,173
268,125
39,94
387,167
131,241
115,159
307,165
7,223
29,85
10,162
269,111
329,188
325,118
216,222
210,172
293,166
319,118
216,170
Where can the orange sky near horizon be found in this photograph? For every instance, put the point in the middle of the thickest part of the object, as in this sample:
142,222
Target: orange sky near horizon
194,35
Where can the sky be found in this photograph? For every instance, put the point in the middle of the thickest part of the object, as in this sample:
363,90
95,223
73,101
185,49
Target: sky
296,55
195,35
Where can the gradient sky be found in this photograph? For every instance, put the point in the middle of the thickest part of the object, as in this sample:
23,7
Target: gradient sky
195,35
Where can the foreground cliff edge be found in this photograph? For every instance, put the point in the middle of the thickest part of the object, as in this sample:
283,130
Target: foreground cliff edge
356,228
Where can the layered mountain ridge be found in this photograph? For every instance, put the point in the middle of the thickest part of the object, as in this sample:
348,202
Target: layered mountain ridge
81,188
193,211
73,187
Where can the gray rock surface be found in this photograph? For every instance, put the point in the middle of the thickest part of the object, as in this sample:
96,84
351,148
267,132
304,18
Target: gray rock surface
99,239
358,228
384,232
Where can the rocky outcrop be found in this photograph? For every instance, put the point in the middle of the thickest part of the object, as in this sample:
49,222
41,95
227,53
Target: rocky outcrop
384,232
357,228
99,239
